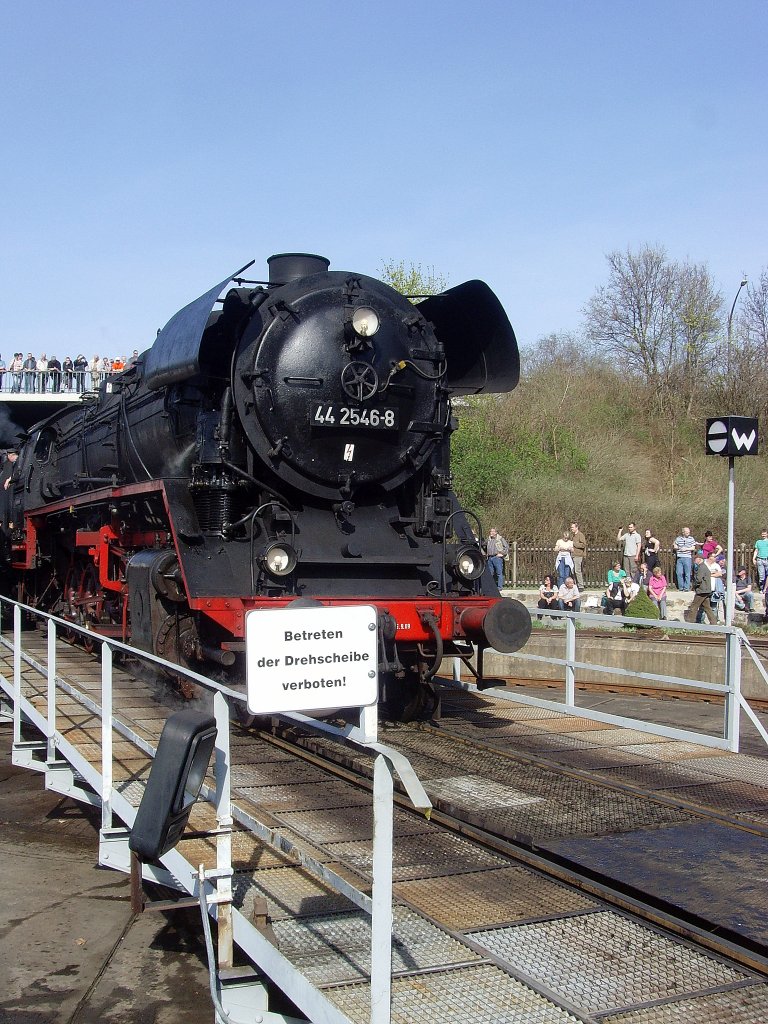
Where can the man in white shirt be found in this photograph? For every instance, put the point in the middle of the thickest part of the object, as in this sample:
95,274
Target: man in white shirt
632,544
684,546
569,596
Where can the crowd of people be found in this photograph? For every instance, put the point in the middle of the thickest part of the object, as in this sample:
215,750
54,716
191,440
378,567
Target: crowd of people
42,375
700,567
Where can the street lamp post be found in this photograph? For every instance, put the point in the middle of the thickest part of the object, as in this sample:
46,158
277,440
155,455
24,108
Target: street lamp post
730,321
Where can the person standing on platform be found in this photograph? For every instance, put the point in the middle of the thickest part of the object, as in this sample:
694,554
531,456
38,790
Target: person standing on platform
563,558
42,373
632,543
710,545
651,547
760,558
16,371
54,372
684,547
702,581
579,553
95,366
81,367
69,372
30,369
496,550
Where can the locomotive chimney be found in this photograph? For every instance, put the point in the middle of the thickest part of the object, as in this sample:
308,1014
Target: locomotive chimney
291,266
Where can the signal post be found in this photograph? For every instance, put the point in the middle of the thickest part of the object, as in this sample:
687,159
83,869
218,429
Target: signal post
731,436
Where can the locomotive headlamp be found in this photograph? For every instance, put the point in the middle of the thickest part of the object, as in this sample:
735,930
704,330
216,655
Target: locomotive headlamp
365,322
467,563
279,559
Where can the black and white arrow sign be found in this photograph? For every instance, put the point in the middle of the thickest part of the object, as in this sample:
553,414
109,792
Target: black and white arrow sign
732,435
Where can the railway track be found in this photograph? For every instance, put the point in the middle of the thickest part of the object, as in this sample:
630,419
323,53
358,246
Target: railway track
494,919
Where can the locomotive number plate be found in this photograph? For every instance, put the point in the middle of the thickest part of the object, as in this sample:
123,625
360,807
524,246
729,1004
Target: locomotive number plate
329,414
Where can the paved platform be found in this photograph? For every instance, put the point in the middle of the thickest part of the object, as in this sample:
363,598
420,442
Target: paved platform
70,950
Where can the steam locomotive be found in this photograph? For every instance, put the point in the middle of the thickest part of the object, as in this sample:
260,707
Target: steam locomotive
289,441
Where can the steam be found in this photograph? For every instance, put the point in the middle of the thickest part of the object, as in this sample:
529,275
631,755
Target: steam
10,431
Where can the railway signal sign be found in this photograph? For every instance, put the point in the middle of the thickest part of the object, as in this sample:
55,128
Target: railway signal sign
732,435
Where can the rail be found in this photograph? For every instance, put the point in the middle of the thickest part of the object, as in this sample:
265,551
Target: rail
65,765
736,643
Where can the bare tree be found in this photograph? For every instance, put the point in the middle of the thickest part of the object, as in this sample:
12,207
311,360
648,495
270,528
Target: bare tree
753,318
633,315
698,326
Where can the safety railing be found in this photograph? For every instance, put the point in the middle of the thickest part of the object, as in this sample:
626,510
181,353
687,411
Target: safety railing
729,689
33,383
59,757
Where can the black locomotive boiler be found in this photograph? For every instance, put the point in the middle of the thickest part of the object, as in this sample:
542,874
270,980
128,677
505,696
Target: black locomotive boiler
291,440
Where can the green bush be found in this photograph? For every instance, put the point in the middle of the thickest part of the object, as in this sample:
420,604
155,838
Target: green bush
641,607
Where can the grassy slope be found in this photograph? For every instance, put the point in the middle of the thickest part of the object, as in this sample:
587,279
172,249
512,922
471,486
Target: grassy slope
583,442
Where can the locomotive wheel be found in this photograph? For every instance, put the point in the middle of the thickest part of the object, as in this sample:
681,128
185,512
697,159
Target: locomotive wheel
176,640
408,698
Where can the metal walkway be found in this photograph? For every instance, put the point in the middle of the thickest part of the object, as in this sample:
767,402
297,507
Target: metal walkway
475,935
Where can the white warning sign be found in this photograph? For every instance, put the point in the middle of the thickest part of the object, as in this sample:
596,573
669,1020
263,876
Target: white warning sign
308,659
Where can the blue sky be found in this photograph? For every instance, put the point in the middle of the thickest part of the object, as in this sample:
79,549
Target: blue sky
151,148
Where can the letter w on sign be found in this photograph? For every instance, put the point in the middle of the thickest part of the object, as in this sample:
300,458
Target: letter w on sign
349,452
743,440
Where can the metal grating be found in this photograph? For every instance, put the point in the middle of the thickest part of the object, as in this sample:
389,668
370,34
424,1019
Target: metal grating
276,773
305,796
92,751
255,752
478,792
739,1006
723,796
545,742
736,766
492,727
482,995
483,898
570,723
422,856
659,776
669,751
248,854
622,737
337,947
604,961
599,757
132,791
605,814
346,824
289,892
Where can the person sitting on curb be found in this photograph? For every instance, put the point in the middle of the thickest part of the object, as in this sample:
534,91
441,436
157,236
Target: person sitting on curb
745,599
614,600
631,589
548,595
570,598
616,574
